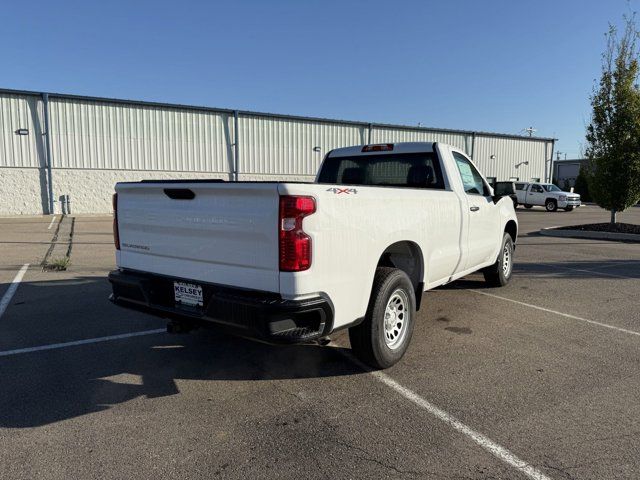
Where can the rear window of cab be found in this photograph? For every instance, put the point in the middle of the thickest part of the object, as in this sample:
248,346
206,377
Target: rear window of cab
411,170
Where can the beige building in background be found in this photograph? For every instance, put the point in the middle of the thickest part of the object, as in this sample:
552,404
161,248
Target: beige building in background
64,153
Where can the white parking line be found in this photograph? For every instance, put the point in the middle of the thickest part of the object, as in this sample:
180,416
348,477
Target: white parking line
582,270
496,450
566,315
6,298
604,274
54,346
51,224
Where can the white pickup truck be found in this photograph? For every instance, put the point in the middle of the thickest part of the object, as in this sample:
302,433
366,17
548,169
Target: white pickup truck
546,195
294,262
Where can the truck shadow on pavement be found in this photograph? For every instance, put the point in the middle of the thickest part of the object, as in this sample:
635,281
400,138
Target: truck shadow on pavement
614,269
608,269
48,386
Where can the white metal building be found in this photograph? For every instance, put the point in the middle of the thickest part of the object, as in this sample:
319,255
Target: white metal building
65,152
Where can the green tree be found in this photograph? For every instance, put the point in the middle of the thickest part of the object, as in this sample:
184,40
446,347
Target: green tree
582,186
613,136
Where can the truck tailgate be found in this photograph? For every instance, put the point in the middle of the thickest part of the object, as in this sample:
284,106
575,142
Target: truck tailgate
226,234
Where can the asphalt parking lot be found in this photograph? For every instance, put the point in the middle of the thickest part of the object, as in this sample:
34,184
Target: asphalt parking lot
540,379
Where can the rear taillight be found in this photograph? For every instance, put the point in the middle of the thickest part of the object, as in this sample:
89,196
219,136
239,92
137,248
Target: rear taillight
295,245
116,233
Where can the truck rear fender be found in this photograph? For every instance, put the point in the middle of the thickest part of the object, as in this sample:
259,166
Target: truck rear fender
509,223
512,229
407,256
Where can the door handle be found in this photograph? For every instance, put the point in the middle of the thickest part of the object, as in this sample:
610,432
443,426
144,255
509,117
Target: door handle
474,209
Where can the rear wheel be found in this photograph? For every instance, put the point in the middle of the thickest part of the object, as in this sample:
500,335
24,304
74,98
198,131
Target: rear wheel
528,206
383,337
551,205
499,274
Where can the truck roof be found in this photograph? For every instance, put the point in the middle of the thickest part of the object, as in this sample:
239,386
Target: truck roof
401,147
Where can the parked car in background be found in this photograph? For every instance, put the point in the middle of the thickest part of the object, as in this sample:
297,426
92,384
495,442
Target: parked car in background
293,262
546,195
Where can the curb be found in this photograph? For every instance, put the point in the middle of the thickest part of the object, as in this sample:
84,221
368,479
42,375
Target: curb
626,237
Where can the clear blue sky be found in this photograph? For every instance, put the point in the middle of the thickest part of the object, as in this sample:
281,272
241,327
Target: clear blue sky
478,65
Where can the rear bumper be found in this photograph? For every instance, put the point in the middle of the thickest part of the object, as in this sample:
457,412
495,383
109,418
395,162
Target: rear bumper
249,313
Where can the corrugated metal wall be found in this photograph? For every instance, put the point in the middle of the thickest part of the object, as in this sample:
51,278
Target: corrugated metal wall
117,136
511,156
392,135
100,135
18,112
280,146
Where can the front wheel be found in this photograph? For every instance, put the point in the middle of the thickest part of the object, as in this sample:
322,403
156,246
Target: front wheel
499,274
551,205
383,337
568,209
528,206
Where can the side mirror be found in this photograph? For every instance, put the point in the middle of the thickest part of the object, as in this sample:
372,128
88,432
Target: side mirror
503,189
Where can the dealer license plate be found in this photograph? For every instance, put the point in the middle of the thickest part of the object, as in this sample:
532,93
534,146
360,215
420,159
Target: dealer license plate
187,294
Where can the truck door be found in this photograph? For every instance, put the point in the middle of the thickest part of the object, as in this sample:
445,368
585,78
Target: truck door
521,192
535,195
483,219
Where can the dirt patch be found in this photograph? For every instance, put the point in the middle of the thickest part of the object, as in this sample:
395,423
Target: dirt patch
58,256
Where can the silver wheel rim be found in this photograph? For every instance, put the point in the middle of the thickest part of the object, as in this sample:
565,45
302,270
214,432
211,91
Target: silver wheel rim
550,206
396,319
506,260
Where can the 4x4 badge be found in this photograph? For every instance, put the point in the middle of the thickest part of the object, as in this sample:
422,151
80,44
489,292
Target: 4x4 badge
338,191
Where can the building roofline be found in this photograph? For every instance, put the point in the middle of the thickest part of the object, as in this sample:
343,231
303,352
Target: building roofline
273,115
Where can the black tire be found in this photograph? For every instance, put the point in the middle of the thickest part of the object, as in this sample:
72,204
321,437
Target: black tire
551,205
495,275
568,209
528,206
369,340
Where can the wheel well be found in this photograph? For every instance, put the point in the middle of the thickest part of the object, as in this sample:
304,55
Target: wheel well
406,256
554,200
512,229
